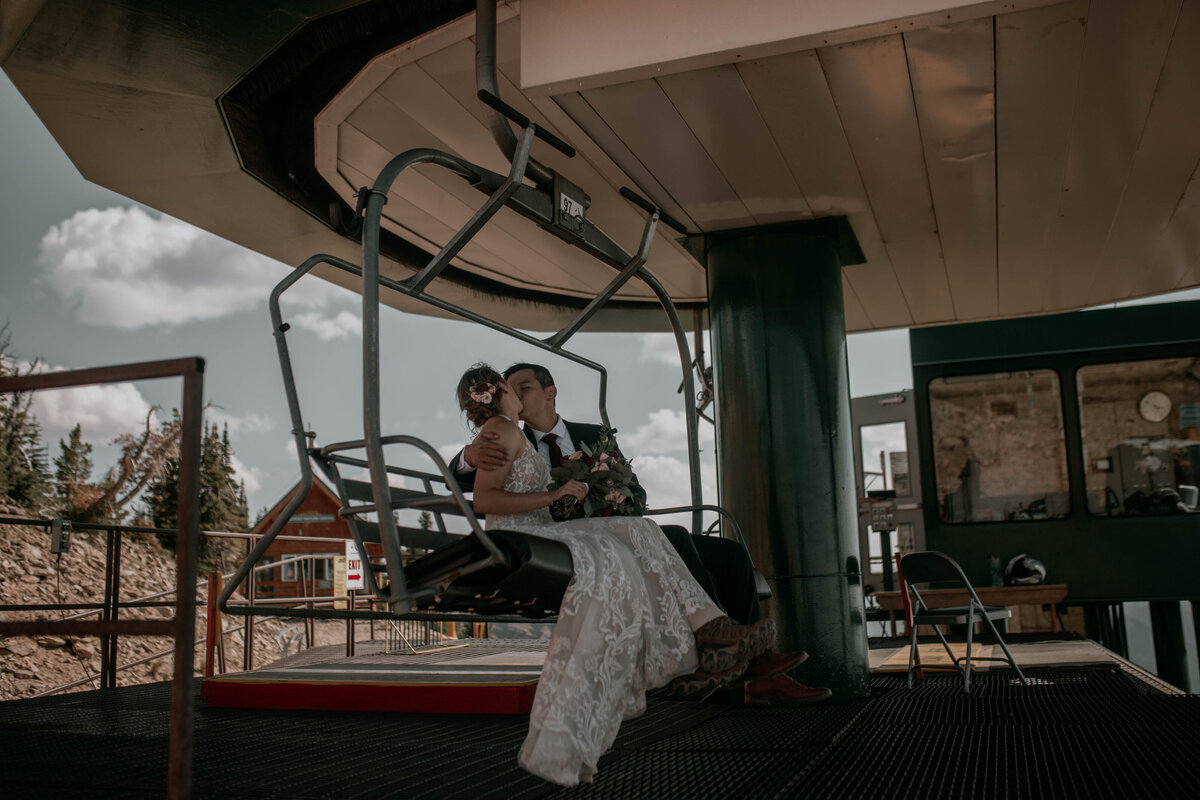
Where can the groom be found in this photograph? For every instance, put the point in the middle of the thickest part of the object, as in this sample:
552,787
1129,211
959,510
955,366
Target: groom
722,567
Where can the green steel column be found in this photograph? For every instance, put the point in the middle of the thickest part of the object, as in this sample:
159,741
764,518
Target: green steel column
784,436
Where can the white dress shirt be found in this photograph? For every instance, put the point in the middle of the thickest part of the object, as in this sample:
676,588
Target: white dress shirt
565,443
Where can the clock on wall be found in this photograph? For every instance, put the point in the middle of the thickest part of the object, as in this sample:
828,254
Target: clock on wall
1154,406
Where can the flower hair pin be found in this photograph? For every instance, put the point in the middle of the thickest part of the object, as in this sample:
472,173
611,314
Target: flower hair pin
483,392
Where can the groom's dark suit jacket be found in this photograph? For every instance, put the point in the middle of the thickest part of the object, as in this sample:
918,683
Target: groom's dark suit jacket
722,567
583,433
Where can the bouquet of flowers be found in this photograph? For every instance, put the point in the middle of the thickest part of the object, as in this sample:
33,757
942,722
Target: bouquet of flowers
607,474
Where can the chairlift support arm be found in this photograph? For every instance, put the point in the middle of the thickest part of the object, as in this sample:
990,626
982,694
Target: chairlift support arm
539,204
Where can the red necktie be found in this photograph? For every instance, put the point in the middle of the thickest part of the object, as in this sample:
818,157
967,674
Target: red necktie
556,456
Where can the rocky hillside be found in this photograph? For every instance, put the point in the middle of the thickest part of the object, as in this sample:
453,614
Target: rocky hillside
30,573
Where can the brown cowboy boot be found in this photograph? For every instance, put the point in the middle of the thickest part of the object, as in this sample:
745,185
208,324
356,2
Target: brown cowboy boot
767,666
724,645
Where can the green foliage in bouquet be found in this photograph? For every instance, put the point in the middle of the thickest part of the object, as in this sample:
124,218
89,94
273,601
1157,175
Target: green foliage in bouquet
607,474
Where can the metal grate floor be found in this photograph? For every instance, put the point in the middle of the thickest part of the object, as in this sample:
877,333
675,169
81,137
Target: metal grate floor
1073,733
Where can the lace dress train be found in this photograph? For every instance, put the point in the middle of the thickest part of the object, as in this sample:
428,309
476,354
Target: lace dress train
625,626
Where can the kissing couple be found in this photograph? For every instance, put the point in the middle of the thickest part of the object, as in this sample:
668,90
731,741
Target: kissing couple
632,618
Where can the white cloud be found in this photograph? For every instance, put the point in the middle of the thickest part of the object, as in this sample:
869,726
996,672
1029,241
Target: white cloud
125,268
251,476
667,482
289,447
102,411
666,432
660,348
346,323
250,423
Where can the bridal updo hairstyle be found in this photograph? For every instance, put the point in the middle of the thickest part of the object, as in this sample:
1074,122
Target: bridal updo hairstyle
479,394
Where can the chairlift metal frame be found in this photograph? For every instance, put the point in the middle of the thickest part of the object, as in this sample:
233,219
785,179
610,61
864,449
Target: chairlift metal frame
546,204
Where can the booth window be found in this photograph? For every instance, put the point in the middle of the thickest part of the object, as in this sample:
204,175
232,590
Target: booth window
998,447
1140,422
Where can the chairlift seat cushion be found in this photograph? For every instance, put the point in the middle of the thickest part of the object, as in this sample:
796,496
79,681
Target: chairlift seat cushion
531,585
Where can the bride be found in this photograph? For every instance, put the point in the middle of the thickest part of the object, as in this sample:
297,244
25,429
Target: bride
632,617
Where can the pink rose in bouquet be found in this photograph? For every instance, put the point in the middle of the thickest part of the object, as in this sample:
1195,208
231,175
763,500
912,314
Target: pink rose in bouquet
608,476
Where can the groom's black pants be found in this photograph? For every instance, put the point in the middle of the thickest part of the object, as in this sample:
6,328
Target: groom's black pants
723,569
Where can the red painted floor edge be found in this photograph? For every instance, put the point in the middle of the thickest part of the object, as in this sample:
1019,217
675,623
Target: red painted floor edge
423,699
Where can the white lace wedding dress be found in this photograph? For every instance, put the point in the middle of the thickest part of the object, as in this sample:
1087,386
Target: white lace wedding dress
625,626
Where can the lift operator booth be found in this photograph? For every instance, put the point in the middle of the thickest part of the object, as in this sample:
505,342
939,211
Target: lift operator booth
1074,438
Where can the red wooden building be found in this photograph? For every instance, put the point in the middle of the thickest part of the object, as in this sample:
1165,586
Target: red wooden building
315,520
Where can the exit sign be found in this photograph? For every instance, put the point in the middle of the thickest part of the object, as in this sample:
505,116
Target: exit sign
355,567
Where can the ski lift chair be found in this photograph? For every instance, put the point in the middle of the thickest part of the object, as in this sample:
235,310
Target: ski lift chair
932,566
496,573
488,576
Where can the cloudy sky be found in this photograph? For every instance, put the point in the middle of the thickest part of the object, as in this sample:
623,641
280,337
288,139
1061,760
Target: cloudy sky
90,278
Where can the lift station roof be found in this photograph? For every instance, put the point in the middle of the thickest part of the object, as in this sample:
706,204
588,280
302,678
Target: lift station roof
994,159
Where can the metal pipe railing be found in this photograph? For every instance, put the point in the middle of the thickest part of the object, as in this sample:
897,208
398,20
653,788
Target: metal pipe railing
485,78
143,660
182,626
372,428
111,627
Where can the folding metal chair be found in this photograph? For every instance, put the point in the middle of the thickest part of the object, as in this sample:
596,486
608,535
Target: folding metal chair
930,566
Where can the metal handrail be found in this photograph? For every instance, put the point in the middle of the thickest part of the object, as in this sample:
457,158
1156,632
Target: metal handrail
718,510
182,626
142,601
143,660
100,527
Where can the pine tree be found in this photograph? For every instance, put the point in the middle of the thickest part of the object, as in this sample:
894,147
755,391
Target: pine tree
77,495
24,472
223,504
243,506
25,476
162,493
